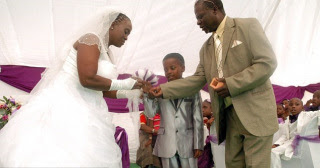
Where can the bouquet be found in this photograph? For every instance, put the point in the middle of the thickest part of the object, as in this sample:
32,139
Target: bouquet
8,106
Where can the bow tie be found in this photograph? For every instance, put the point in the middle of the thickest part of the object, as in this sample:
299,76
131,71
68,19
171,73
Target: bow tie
293,118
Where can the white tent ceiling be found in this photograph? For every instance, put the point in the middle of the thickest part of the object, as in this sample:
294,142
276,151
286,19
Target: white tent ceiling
31,32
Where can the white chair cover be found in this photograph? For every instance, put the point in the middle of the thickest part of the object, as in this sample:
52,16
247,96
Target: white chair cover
308,155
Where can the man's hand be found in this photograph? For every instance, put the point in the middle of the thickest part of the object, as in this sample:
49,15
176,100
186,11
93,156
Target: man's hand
220,86
155,92
146,86
197,153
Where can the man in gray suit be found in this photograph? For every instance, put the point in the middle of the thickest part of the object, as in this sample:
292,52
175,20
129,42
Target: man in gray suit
239,56
180,136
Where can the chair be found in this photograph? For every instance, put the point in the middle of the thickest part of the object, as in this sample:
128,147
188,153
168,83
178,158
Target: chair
308,155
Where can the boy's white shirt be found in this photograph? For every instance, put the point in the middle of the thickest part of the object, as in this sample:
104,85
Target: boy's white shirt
284,131
289,131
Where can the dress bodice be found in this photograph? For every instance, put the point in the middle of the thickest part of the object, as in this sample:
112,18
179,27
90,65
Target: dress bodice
105,68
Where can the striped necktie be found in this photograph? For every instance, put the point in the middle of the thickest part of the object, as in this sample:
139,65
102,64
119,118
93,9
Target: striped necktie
218,54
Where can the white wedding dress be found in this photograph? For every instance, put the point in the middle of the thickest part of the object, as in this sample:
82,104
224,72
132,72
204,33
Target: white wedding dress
65,125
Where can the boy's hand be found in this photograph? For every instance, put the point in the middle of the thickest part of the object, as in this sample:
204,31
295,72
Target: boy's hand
148,143
155,92
309,102
220,86
197,153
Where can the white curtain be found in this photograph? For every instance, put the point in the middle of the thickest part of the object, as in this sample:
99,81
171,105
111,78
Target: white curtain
32,31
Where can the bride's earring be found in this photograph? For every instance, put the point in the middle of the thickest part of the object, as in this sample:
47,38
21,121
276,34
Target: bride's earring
111,28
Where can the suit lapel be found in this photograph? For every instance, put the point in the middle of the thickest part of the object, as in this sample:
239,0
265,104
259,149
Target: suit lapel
178,105
173,105
227,36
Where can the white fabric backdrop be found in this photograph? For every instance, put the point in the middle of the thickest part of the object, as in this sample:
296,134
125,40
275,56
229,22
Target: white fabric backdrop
32,31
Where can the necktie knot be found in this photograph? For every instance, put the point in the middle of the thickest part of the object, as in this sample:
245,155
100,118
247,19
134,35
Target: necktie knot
215,35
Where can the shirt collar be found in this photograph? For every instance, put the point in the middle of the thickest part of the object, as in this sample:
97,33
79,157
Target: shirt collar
220,28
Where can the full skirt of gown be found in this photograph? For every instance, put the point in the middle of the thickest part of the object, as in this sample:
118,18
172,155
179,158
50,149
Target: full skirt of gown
64,125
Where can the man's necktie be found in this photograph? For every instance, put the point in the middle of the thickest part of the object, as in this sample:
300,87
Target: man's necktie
218,54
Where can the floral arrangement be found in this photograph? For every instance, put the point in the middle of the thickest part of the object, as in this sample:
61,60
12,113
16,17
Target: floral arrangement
147,75
7,107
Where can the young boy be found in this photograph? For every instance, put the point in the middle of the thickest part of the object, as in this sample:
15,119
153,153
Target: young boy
282,147
314,103
180,136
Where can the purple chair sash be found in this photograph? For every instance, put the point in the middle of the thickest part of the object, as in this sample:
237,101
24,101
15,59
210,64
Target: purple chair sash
214,139
280,121
121,138
309,138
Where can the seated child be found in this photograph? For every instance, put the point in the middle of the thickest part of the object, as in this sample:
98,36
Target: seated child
280,113
206,159
281,121
282,148
285,104
207,113
180,136
314,103
144,153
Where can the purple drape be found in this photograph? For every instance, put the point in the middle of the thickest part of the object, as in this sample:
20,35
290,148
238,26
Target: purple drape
121,138
288,92
21,77
25,78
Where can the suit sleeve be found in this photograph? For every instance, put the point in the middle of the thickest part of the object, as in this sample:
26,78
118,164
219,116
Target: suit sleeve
188,86
151,106
263,62
198,135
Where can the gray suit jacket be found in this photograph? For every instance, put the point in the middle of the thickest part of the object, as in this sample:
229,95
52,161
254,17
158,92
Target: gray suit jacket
181,126
247,68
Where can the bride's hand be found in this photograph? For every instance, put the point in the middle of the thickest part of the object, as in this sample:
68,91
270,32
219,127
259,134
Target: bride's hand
138,84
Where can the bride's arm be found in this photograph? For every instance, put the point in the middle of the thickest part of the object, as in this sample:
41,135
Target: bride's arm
87,63
123,94
88,52
110,94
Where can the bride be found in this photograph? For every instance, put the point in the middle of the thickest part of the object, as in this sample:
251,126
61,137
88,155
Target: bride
66,121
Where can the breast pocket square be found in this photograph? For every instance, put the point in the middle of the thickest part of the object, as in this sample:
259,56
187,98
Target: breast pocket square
236,43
